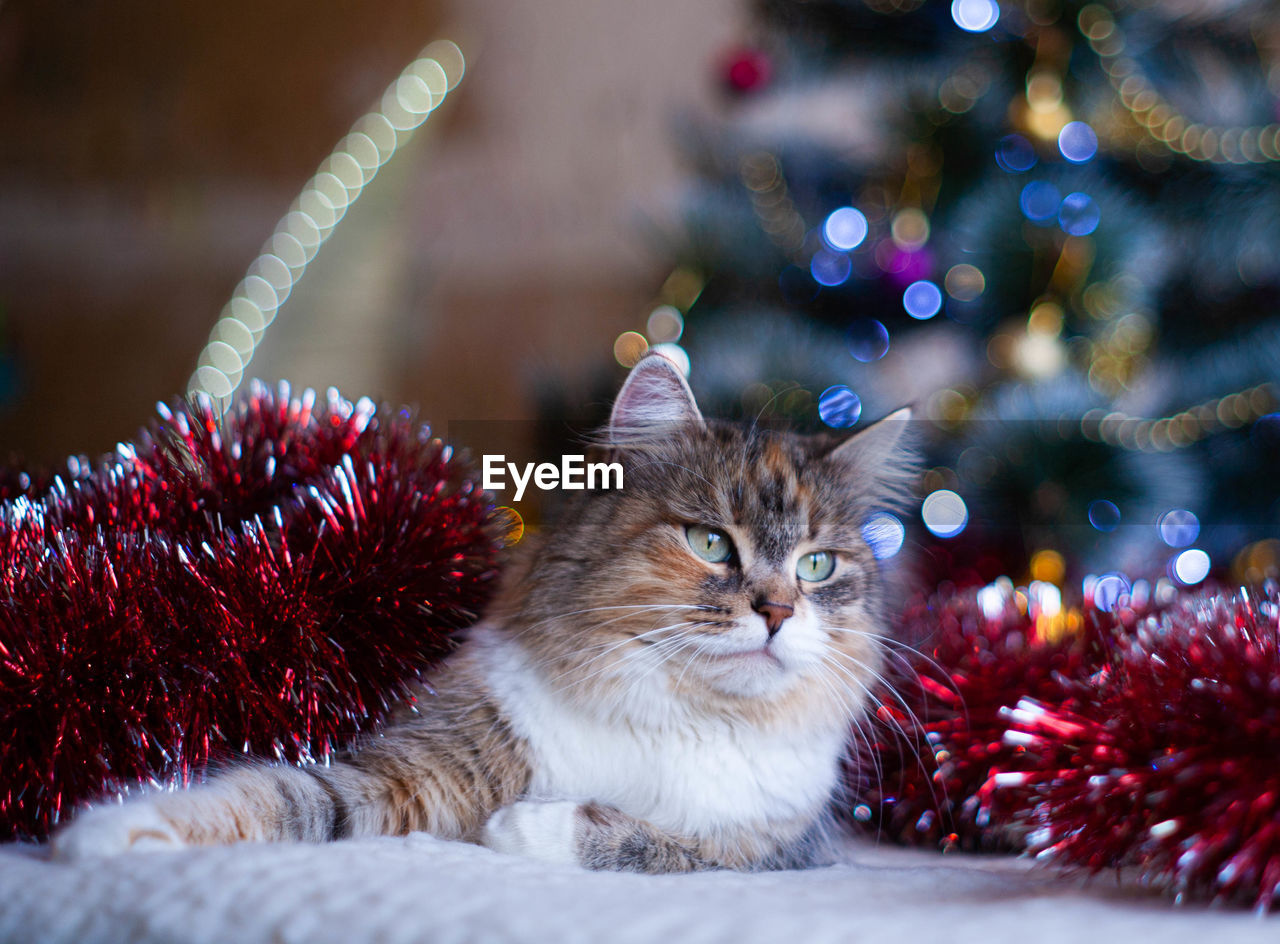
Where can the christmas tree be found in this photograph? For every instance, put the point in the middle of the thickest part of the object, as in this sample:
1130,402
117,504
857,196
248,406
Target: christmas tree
1053,227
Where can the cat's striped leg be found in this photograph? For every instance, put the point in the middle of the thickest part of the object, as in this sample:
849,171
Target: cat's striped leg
390,789
248,803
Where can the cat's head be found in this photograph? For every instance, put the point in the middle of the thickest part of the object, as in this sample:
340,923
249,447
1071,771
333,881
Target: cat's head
730,572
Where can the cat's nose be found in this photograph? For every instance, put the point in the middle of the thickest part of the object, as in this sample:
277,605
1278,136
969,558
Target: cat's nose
773,613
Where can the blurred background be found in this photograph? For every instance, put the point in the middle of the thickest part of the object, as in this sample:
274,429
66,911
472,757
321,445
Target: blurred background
150,149
1052,226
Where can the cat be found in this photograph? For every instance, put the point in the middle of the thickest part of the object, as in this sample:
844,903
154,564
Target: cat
668,680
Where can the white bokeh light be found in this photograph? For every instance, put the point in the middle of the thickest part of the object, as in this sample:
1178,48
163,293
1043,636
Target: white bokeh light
1190,567
975,16
945,513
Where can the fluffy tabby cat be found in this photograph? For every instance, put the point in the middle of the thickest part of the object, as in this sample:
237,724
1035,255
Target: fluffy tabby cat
667,681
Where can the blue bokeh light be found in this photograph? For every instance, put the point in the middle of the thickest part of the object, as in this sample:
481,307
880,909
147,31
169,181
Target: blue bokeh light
868,340
1108,590
1077,142
1039,201
1104,515
1178,527
1078,215
1015,154
845,229
884,534
922,299
830,268
839,407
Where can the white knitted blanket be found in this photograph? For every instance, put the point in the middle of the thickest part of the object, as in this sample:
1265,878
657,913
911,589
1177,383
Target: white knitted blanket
421,889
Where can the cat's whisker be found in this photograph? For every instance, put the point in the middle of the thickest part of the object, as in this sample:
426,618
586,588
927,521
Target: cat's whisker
913,739
623,606
702,649
665,658
618,644
632,654
897,647
884,682
855,717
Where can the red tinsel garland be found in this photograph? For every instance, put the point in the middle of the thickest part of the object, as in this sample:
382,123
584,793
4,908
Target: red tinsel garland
940,736
1145,742
269,582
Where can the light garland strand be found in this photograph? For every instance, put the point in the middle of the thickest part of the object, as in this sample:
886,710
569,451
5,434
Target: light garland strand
771,202
342,176
1155,117
1140,434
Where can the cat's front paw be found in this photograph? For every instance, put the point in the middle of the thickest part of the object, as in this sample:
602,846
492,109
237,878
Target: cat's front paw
545,830
111,830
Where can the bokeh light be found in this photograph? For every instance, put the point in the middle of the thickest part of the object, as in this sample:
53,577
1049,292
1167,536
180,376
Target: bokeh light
910,229
1077,142
508,524
1104,515
1078,215
1015,154
629,347
922,300
945,513
965,282
884,534
1048,565
1045,599
1039,201
830,268
674,353
868,340
845,229
975,16
323,202
839,407
1178,527
665,324
1190,567
1107,590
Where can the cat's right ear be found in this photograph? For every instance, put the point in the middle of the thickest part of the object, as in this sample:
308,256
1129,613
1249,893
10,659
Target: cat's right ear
654,398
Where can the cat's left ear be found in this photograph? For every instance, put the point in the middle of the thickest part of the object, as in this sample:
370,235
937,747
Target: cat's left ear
654,399
883,454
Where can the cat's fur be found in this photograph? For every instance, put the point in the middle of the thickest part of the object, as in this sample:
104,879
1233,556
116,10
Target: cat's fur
625,704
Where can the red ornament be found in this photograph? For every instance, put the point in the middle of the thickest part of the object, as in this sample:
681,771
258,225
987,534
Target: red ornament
269,582
746,70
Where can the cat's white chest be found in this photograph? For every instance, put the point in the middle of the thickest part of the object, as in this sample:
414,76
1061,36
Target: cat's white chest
693,779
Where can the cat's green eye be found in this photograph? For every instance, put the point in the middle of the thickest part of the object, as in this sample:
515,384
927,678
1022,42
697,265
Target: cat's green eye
816,566
711,546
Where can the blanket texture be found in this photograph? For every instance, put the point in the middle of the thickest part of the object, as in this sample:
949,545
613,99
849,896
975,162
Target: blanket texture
421,889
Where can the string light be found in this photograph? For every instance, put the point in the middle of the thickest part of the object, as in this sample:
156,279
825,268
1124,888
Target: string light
1156,118
771,201
1179,430
337,184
